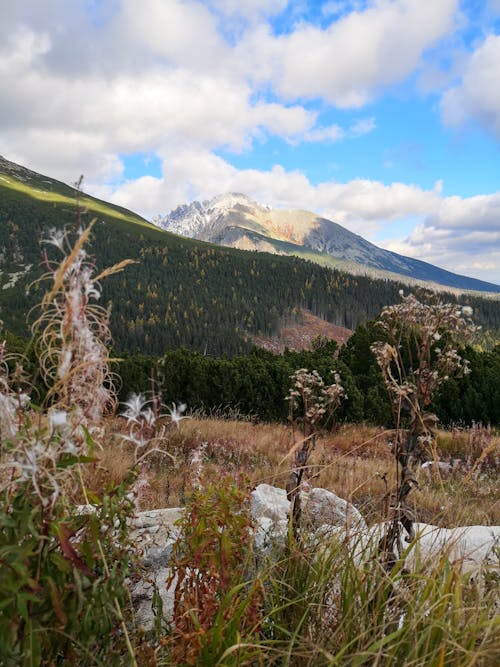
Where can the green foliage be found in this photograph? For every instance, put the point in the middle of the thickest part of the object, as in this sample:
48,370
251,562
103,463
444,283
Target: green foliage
63,572
256,383
182,292
216,605
475,398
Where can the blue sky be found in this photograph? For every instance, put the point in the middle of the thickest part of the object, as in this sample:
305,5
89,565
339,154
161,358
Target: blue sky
383,115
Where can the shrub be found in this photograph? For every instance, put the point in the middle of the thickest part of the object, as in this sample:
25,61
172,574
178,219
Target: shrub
217,604
64,564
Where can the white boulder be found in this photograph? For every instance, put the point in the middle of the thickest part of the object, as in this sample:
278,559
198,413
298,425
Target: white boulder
470,546
269,502
323,508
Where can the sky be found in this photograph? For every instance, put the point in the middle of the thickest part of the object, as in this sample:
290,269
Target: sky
382,115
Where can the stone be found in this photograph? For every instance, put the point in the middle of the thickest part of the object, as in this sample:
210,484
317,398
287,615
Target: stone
154,535
326,518
269,534
269,502
471,547
159,517
142,596
321,507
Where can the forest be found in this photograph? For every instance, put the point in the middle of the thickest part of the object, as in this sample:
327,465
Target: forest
180,292
254,384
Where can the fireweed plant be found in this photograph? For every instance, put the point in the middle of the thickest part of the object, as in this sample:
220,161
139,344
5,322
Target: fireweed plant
218,604
418,354
148,422
63,567
312,404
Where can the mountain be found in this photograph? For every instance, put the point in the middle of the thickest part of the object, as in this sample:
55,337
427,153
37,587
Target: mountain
237,221
180,292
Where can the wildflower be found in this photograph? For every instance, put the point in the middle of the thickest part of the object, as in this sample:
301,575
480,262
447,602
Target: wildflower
58,418
134,405
56,237
70,447
176,413
24,399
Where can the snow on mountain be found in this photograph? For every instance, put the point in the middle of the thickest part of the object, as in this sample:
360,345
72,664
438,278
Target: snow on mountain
201,220
235,220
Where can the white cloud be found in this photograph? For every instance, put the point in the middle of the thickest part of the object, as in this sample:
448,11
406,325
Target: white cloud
156,73
249,9
182,34
72,117
63,154
456,233
335,132
363,126
460,234
478,95
477,213
339,7
348,62
328,133
457,257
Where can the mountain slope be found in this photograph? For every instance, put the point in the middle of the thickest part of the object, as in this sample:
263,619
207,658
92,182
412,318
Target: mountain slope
180,292
235,220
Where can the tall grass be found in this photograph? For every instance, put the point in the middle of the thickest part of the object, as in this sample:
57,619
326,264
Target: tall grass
319,600
328,609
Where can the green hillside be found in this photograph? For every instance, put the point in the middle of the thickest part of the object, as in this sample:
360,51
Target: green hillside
180,292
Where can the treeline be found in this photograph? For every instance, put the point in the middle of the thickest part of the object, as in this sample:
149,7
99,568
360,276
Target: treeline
256,383
185,293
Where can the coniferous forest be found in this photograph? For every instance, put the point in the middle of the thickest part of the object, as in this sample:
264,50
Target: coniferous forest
184,312
180,292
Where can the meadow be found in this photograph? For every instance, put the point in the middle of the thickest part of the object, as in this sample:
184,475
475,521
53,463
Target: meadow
356,462
75,471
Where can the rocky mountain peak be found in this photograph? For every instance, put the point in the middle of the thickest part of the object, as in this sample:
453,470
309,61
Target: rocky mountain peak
234,219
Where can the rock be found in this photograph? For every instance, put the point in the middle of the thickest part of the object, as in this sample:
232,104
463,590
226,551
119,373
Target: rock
470,546
269,502
154,535
270,534
142,595
156,557
161,517
326,518
444,468
323,508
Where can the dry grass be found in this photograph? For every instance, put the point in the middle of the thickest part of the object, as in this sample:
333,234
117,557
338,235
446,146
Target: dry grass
355,462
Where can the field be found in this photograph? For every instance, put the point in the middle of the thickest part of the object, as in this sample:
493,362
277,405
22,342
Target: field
355,462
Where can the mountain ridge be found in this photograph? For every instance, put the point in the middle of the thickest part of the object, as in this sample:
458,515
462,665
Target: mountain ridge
181,292
233,220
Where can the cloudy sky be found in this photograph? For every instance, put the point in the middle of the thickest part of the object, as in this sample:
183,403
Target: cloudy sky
383,115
